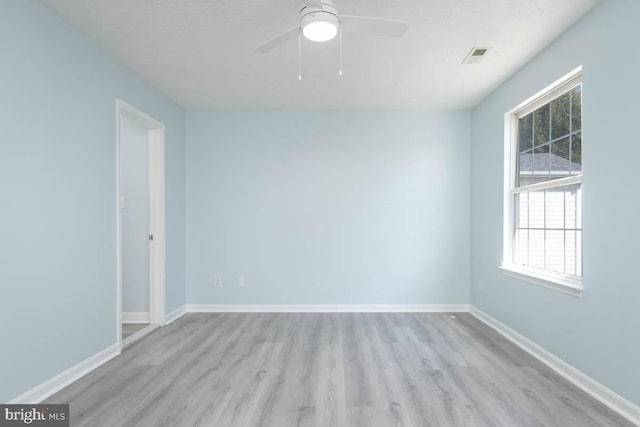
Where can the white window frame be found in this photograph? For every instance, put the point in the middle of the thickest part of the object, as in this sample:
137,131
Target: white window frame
565,283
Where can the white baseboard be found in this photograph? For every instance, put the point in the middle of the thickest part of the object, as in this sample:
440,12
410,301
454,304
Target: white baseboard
321,308
135,317
608,397
175,314
60,381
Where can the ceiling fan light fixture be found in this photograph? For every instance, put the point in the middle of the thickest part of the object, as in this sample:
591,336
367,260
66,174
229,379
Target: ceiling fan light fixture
319,26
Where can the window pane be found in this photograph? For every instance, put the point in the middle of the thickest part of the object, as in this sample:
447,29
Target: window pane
546,163
570,252
541,125
559,159
570,206
554,208
525,132
541,163
536,209
536,248
560,109
576,109
522,210
522,247
576,154
554,250
547,229
525,169
546,141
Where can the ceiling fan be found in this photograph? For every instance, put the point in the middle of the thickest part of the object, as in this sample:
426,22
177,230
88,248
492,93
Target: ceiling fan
320,22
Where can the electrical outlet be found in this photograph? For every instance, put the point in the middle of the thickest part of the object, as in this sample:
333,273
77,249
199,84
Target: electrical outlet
481,285
242,282
217,281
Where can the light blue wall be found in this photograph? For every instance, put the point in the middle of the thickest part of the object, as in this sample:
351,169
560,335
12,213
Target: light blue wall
328,207
57,192
134,167
599,334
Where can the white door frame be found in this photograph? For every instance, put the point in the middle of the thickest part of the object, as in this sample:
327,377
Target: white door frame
157,246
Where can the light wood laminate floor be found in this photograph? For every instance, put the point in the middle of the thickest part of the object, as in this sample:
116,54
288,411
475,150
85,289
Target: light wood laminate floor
345,370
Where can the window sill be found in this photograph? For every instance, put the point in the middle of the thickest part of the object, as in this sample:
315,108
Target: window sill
566,285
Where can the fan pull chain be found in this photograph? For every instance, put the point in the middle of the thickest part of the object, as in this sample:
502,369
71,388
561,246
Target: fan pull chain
300,54
340,39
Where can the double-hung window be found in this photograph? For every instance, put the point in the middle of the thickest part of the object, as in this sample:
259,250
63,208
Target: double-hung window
543,187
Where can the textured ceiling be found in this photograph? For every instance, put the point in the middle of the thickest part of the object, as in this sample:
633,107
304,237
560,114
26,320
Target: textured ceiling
199,52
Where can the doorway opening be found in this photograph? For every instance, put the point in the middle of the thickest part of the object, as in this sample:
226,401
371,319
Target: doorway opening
140,205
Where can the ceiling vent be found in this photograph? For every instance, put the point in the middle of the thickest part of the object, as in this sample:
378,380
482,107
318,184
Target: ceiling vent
477,54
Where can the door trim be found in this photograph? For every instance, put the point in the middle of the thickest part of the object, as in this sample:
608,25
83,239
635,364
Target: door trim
157,221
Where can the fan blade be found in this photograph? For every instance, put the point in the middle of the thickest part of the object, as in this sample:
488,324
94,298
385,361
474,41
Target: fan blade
376,26
277,40
313,3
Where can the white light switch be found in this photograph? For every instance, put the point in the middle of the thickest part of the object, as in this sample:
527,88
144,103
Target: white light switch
242,282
